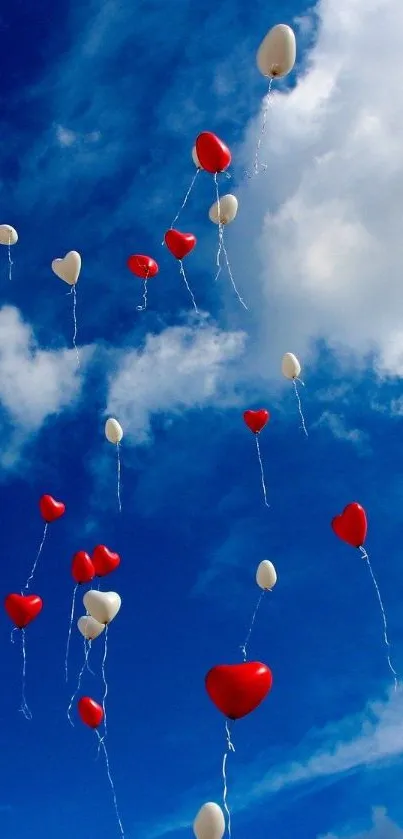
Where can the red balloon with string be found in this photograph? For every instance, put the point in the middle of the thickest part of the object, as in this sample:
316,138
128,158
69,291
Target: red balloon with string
237,689
351,525
91,713
144,267
256,421
22,609
212,153
181,245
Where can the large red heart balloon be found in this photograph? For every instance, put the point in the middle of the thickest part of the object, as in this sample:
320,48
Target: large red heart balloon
82,567
256,420
213,155
142,266
351,525
51,509
104,560
237,689
90,712
180,244
23,608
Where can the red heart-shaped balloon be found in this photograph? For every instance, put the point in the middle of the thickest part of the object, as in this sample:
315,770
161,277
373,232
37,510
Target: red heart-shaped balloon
213,155
351,525
237,689
51,509
82,567
90,712
104,560
23,608
142,266
180,244
256,420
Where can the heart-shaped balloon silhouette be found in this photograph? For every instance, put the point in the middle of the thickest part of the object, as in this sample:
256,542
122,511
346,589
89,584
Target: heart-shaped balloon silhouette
142,266
180,244
214,156
68,268
237,689
90,712
104,560
22,609
102,605
82,568
51,509
256,420
351,525
89,627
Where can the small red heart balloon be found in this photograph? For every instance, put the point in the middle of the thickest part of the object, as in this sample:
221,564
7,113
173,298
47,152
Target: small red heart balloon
23,608
351,525
237,689
51,509
213,155
104,560
180,244
142,266
90,712
82,567
256,420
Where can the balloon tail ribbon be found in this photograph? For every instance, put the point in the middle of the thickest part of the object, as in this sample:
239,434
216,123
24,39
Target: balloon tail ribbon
222,248
186,198
119,470
294,381
74,293
73,603
80,676
184,277
261,471
144,306
249,633
31,576
382,608
10,261
230,748
87,650
104,679
258,165
24,707
101,744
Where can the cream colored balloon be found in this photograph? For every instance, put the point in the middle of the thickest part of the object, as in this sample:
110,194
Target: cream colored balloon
68,268
228,210
290,366
277,53
8,236
113,431
89,627
266,576
102,605
195,158
209,822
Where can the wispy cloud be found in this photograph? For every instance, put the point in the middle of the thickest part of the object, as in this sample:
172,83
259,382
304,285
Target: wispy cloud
337,425
382,827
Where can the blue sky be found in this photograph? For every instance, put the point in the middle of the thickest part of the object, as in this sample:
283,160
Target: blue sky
101,103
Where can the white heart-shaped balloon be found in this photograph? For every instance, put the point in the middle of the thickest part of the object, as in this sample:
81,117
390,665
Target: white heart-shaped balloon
8,236
102,605
89,627
68,268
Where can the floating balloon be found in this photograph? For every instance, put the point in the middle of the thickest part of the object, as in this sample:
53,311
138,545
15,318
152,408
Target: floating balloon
90,628
237,689
8,237
50,509
104,560
212,153
209,822
102,605
266,576
256,421
351,525
68,269
22,609
144,267
277,53
290,366
180,245
225,210
90,712
114,434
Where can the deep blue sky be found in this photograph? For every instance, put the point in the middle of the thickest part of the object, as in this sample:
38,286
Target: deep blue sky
149,76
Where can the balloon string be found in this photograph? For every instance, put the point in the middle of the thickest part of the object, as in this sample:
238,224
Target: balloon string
87,650
24,707
102,744
10,262
144,306
222,248
73,603
182,270
119,470
31,576
185,200
246,642
385,625
294,381
104,679
261,471
262,166
74,293
80,676
230,748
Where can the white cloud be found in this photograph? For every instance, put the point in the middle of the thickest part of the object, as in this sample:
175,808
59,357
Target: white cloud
337,425
178,369
382,828
327,214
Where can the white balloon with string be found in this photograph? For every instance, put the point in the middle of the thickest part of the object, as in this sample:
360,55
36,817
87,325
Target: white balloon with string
8,237
291,369
223,212
209,822
68,269
103,606
266,578
114,435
